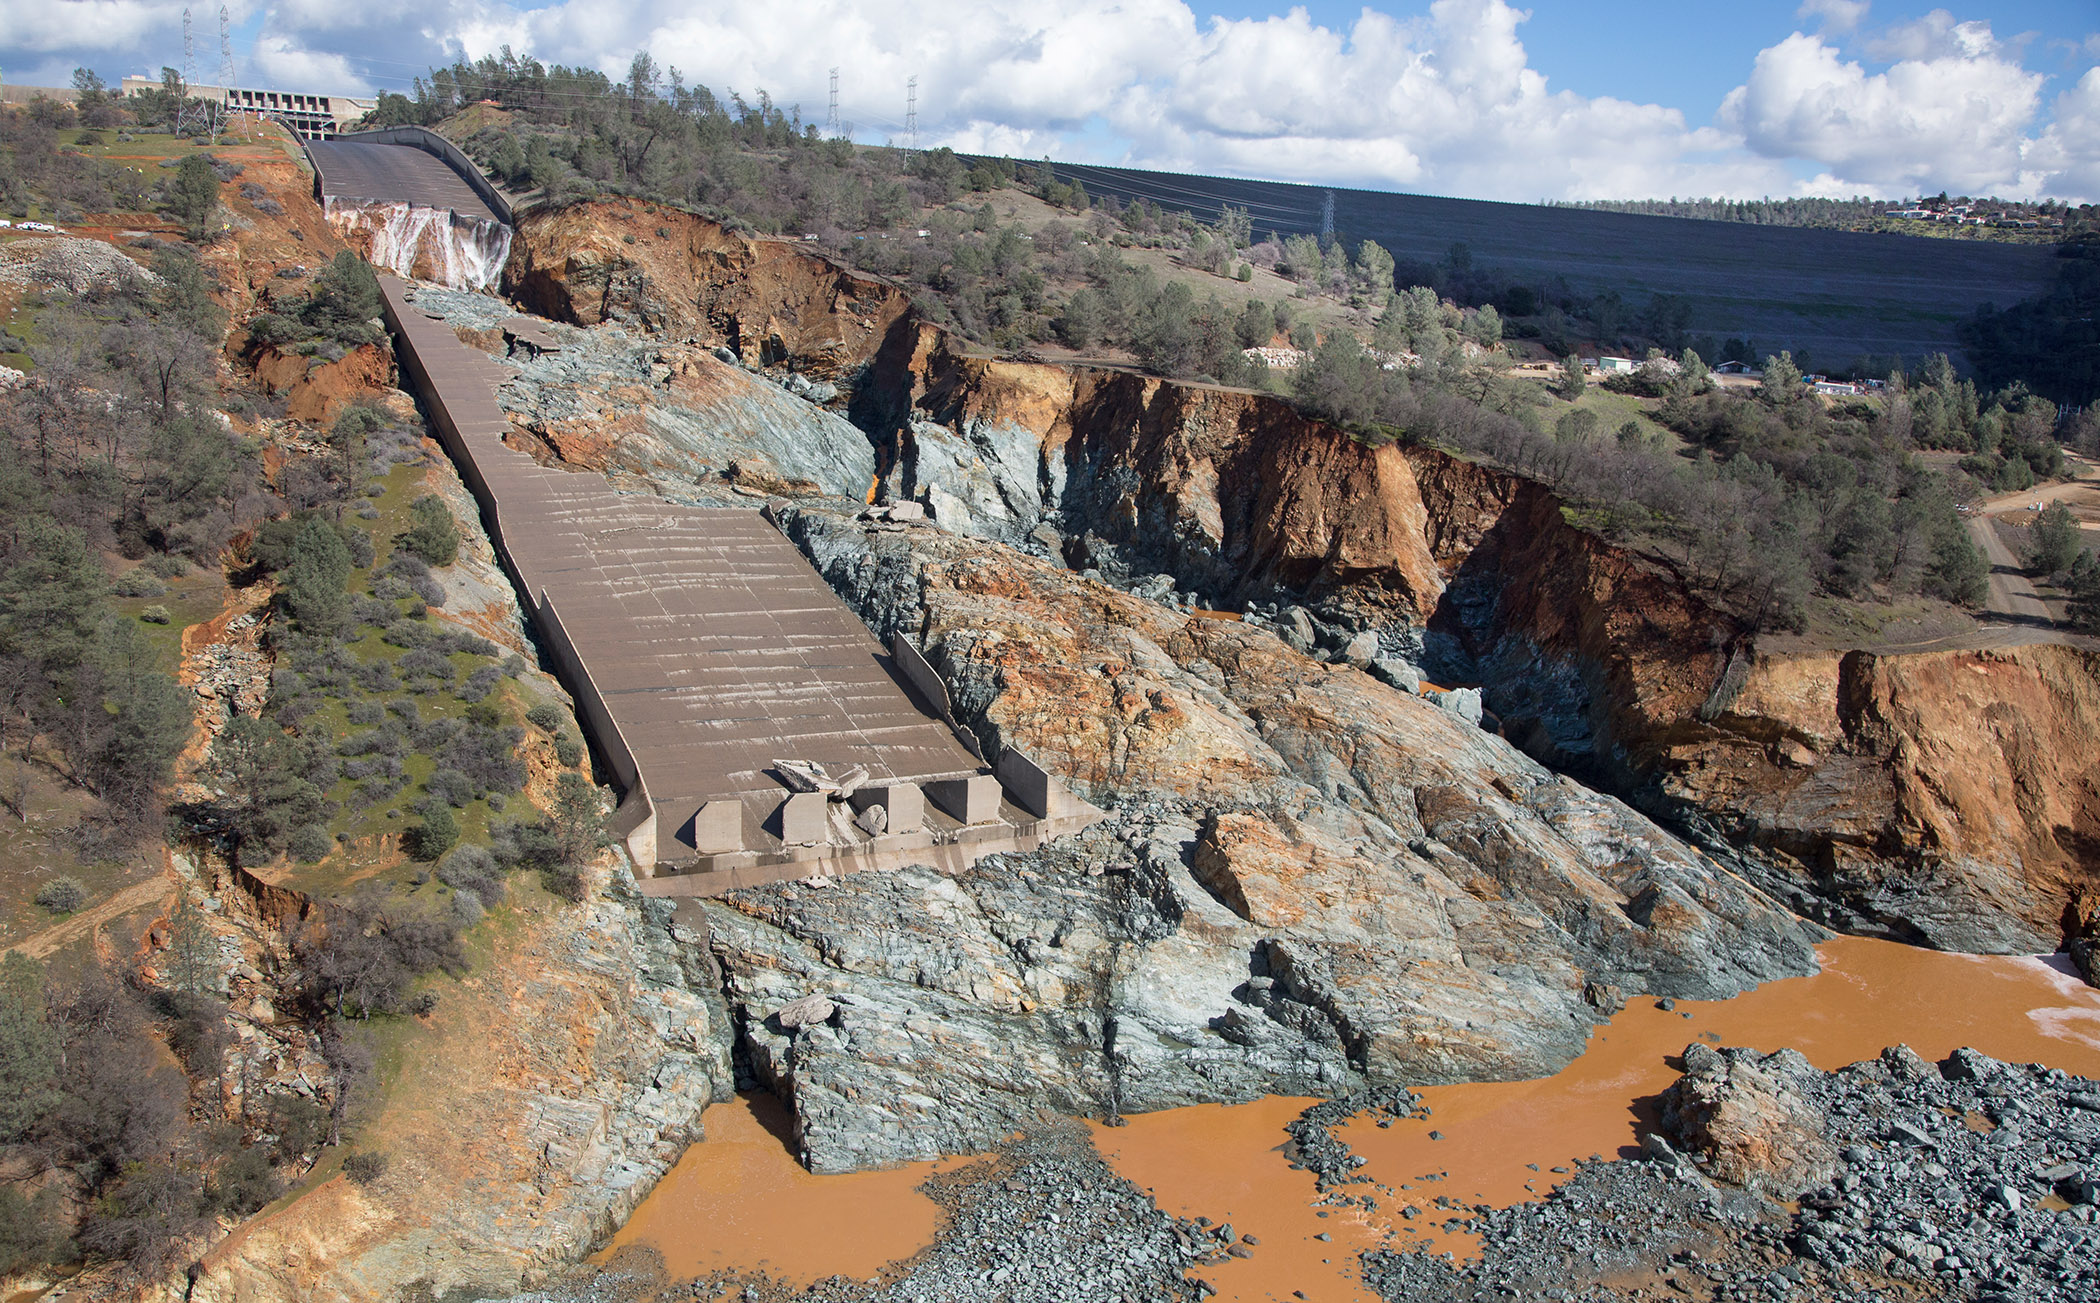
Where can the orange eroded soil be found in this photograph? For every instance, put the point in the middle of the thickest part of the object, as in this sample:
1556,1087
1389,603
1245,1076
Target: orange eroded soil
740,1200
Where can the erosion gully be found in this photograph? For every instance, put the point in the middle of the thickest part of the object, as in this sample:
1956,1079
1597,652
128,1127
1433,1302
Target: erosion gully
741,1201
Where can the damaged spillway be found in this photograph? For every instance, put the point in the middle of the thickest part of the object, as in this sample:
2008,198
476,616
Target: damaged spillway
433,244
414,205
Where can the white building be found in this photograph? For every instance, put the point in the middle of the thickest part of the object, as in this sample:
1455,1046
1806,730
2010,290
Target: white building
311,117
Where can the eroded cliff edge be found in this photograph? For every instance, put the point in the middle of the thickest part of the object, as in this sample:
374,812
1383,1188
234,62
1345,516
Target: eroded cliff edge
1943,797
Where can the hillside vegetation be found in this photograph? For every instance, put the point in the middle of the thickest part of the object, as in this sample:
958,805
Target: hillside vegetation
234,907
1763,501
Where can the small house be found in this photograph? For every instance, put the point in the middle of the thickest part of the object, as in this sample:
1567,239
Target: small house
1624,366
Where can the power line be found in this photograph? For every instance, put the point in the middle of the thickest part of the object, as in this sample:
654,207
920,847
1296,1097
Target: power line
189,74
226,73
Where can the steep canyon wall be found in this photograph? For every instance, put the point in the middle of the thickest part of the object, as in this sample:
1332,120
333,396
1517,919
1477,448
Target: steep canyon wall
1945,797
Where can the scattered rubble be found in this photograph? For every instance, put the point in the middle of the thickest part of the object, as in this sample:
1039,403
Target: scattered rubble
74,265
1967,1179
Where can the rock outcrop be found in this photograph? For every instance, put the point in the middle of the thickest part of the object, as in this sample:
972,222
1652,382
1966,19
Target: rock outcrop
1939,797
611,399
1311,881
670,272
568,1076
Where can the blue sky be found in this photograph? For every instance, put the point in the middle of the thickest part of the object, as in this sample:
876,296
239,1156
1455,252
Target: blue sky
1690,55
1464,97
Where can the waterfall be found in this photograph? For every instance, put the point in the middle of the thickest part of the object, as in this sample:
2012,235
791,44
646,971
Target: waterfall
433,244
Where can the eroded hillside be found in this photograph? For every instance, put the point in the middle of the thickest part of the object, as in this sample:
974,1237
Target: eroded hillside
1905,794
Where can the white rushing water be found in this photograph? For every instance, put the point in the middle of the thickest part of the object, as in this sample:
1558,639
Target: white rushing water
434,243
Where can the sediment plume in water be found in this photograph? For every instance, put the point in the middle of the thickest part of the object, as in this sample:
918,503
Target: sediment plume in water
433,244
739,1200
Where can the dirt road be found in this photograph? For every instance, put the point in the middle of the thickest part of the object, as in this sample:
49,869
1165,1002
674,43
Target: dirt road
2012,594
139,895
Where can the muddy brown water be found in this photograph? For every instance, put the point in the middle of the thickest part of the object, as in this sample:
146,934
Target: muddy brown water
740,1200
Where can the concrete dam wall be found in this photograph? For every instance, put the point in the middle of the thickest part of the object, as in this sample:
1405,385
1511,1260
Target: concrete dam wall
702,648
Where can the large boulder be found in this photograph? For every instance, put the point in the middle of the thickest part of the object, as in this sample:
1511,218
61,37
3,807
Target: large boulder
1752,1118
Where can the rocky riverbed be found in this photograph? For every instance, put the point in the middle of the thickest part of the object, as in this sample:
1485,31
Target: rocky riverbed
1039,1220
1891,1178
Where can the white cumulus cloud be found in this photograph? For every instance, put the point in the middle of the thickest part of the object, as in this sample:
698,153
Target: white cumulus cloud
1443,99
1953,120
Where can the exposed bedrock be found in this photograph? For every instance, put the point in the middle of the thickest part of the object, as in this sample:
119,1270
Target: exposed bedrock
1939,797
1948,798
1310,880
656,268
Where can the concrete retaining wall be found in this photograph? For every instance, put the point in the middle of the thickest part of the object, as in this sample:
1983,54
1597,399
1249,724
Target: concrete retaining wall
638,812
430,142
922,677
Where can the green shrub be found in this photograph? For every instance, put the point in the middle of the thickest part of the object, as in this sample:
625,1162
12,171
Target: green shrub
166,565
545,716
137,583
566,881
156,614
438,833
568,751
431,534
309,843
62,895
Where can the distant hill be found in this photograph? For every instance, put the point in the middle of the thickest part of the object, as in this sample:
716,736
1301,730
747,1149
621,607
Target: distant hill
1835,295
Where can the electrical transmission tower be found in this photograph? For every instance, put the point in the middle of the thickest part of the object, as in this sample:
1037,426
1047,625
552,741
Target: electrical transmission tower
226,74
1327,220
911,115
189,72
831,119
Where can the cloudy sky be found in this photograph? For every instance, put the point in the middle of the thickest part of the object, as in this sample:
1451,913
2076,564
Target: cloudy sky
1600,99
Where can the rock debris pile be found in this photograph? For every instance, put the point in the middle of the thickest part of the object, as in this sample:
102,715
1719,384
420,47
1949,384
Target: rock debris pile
1314,1145
76,266
231,672
1968,1179
1042,1220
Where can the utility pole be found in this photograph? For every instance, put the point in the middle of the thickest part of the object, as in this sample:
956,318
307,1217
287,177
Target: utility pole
226,74
189,71
911,115
831,119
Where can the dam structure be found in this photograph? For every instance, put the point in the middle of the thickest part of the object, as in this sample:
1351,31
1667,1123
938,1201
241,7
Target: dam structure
415,203
703,649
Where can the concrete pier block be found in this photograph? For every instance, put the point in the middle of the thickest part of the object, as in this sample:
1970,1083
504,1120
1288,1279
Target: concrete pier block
966,800
805,819
1030,787
718,827
903,802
